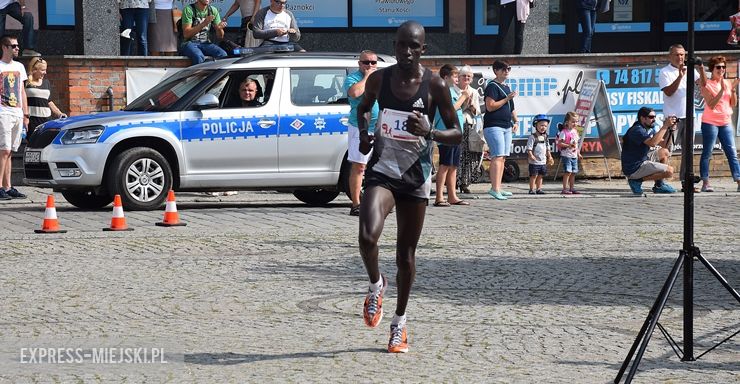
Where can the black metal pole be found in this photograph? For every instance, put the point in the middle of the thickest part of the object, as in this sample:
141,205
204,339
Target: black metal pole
688,196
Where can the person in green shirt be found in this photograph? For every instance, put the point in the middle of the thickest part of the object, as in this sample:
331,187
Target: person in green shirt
197,21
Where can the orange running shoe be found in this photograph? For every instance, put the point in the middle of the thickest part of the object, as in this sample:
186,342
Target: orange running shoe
372,310
399,342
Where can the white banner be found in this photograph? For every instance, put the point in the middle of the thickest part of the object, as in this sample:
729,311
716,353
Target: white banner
140,80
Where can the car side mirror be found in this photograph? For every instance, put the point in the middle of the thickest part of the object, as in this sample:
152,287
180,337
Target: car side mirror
207,101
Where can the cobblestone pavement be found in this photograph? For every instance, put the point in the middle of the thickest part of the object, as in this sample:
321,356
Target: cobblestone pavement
261,288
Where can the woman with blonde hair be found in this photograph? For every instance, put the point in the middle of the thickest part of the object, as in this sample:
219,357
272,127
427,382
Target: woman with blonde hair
38,92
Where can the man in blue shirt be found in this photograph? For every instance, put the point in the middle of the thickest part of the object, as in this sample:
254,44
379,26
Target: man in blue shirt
354,85
639,161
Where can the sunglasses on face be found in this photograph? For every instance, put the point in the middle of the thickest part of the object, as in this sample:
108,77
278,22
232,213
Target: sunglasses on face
14,46
280,2
651,117
507,69
369,62
720,67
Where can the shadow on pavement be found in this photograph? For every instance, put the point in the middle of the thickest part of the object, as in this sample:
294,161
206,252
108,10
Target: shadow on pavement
606,281
230,358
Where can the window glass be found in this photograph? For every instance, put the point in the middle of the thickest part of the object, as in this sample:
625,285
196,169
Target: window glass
711,15
623,16
557,20
317,86
231,97
486,17
163,95
59,12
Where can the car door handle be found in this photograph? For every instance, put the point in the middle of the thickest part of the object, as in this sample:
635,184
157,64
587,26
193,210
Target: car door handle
266,123
344,120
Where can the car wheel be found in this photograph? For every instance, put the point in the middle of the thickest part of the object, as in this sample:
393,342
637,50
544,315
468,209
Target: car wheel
511,171
87,199
142,176
315,196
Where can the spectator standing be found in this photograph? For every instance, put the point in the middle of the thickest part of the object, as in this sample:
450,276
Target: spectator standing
586,10
13,112
471,128
639,160
720,96
538,154
500,120
354,85
449,155
248,9
516,11
672,81
197,21
17,10
135,17
162,29
276,25
38,92
567,143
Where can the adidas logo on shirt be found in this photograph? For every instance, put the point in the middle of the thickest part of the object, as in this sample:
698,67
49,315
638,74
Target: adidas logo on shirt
419,103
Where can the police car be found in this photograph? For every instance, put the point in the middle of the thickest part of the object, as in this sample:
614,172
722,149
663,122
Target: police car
191,133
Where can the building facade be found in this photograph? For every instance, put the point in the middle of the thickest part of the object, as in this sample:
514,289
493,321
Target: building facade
454,27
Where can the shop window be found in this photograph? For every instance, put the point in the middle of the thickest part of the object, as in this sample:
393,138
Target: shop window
623,16
711,15
486,17
58,12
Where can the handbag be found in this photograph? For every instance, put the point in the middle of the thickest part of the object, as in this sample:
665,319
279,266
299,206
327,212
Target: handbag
176,16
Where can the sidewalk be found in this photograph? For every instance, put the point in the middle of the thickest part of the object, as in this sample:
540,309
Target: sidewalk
589,188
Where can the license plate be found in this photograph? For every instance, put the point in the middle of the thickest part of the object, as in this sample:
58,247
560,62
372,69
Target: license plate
32,157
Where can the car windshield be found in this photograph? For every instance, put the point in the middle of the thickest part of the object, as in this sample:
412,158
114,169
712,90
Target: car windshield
169,91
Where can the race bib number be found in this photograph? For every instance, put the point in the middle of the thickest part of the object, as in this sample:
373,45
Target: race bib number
393,125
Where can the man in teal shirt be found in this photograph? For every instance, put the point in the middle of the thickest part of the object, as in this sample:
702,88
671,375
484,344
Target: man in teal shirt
354,85
197,21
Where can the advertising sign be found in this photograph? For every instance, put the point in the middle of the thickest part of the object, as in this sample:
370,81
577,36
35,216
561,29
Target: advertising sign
392,13
622,10
593,101
553,90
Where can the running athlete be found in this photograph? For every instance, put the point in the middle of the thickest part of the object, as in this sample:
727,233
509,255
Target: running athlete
399,170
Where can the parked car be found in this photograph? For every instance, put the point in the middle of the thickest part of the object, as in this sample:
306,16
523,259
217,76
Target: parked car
191,133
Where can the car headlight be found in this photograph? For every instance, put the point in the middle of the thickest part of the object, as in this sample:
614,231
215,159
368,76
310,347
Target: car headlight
87,135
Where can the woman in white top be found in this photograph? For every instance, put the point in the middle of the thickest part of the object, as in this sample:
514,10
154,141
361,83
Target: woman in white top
248,8
162,29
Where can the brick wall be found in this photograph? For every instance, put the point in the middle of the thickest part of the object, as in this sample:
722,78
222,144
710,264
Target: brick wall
80,83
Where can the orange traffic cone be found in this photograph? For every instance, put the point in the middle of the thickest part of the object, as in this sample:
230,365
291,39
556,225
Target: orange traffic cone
50,224
118,222
171,217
